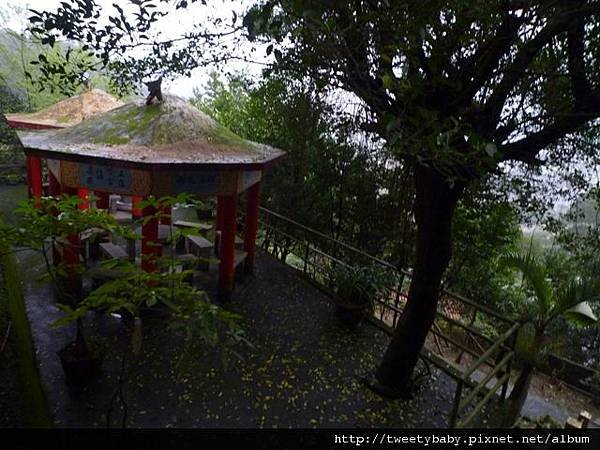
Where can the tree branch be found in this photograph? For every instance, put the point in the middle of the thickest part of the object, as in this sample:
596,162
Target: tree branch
575,61
527,148
516,70
481,65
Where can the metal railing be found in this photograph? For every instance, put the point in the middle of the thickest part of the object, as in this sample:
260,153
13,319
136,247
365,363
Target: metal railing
462,341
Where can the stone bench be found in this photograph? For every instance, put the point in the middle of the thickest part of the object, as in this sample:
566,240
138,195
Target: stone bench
113,251
203,228
201,248
90,241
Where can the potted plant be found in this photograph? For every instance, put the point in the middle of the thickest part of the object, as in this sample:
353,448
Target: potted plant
45,226
355,291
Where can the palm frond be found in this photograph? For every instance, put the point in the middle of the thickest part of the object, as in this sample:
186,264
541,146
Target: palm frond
573,300
535,273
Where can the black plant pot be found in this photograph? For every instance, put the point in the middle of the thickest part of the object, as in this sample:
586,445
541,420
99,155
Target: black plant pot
80,368
349,315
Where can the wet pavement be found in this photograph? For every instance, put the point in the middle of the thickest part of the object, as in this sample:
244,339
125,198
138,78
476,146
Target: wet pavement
302,371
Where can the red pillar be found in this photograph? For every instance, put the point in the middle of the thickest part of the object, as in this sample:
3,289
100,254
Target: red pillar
165,215
83,195
53,185
251,227
102,199
71,252
150,245
34,172
227,254
136,212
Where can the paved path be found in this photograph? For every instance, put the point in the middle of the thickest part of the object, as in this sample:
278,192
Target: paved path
302,371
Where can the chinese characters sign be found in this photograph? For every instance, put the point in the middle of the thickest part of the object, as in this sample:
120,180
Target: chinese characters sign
195,182
112,179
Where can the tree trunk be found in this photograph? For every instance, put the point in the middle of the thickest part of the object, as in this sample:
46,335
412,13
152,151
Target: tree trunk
518,395
435,202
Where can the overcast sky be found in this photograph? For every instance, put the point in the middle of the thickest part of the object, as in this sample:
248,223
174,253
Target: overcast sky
172,25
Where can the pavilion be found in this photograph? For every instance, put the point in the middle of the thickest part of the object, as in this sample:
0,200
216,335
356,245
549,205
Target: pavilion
160,149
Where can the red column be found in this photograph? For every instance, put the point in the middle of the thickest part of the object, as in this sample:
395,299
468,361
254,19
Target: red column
251,227
165,215
150,245
71,252
83,195
102,199
53,185
227,254
34,172
135,211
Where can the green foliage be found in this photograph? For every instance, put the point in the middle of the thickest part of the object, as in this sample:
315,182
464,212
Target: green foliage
32,75
545,302
133,290
360,285
328,180
485,227
577,232
549,300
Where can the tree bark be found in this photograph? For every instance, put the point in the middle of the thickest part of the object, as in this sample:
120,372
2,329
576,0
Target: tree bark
435,202
518,395
520,390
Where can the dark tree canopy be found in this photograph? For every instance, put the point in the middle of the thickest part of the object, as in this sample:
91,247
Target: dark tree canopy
459,85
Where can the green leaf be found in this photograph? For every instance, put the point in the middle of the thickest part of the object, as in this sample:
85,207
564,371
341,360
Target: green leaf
581,315
535,274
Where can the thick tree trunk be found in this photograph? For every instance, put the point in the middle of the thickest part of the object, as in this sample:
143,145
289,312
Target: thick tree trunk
434,207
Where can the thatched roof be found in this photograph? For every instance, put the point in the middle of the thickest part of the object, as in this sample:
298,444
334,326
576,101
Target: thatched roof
170,132
68,112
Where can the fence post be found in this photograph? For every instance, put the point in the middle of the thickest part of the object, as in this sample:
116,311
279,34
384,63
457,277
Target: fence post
457,396
306,257
513,342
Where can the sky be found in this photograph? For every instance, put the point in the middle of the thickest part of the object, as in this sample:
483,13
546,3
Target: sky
172,25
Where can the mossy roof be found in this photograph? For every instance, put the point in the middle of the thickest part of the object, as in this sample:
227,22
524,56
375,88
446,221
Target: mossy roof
169,132
71,111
